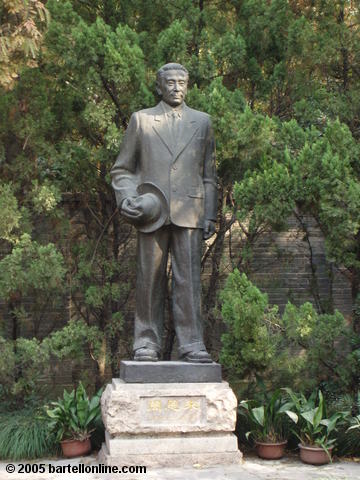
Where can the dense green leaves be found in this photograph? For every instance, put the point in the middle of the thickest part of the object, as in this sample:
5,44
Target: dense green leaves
31,267
281,82
298,348
29,433
75,415
248,347
313,428
21,28
267,421
11,216
24,362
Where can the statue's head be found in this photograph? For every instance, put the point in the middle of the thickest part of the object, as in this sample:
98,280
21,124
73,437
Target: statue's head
171,83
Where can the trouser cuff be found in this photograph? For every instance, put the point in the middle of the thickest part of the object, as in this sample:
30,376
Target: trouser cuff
191,347
151,345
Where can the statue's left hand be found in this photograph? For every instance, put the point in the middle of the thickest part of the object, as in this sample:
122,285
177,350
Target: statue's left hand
209,229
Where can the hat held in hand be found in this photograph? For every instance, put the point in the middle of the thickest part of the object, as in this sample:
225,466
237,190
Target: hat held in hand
155,208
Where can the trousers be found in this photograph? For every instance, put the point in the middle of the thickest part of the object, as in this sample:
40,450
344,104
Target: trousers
153,249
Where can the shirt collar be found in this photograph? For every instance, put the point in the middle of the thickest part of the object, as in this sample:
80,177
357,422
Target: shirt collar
168,109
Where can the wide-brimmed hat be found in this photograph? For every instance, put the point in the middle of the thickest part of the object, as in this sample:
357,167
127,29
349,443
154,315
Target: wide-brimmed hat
158,210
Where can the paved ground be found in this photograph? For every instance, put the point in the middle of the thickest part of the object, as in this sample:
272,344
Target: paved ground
251,469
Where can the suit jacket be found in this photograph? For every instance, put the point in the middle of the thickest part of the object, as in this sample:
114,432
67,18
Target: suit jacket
185,172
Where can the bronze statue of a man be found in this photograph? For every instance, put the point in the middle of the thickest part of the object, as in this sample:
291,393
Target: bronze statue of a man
165,184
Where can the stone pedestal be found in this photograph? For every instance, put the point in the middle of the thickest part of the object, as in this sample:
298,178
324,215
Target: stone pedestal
169,424
169,372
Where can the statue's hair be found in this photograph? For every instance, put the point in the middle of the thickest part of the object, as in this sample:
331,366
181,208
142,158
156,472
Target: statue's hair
169,66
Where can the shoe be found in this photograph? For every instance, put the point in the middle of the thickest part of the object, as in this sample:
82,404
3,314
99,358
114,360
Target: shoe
146,355
201,356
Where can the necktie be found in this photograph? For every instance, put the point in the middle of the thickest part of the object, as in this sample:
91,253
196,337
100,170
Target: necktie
174,125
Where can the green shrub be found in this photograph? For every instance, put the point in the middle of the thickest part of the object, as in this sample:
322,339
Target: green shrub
23,362
249,344
316,349
25,434
22,365
301,349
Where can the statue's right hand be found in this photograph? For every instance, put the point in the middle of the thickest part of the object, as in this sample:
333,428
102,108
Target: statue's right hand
131,208
142,208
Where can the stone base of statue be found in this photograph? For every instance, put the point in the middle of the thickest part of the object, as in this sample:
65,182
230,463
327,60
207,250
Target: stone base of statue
169,424
169,372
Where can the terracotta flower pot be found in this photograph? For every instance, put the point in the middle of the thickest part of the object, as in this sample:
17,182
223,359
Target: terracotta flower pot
270,451
75,448
314,455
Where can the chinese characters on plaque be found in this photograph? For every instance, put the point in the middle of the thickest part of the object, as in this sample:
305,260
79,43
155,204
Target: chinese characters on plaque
173,409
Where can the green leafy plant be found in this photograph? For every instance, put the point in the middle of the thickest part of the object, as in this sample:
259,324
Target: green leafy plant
355,421
310,415
350,438
74,417
25,434
267,420
355,424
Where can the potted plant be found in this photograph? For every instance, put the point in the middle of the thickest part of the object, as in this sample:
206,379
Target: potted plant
351,442
73,418
267,425
314,430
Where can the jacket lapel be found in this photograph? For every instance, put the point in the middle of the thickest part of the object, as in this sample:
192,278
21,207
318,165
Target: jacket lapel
188,128
187,131
161,128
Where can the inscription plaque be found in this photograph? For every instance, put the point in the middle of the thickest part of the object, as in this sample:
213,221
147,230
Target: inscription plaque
174,410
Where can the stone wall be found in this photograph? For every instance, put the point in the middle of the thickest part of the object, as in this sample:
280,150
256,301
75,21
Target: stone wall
292,266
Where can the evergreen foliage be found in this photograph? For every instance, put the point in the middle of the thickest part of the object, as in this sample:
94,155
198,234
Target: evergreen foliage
22,24
249,346
298,348
24,362
280,79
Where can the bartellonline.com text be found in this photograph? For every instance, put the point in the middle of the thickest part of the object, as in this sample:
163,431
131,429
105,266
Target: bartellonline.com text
27,468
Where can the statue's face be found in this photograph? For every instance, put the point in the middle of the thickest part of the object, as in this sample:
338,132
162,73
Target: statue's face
173,87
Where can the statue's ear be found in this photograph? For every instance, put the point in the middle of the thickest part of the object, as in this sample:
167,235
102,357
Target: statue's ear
158,89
